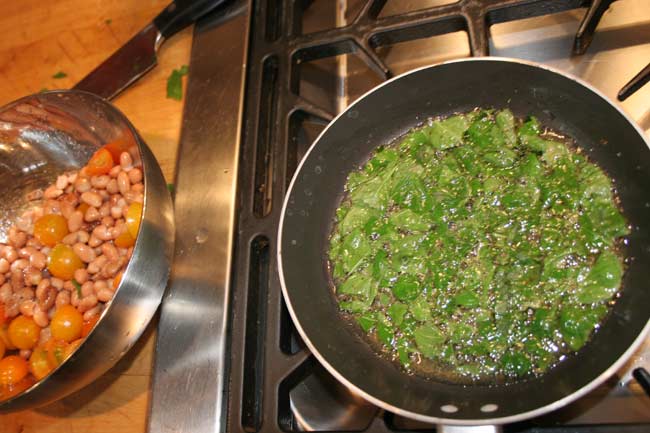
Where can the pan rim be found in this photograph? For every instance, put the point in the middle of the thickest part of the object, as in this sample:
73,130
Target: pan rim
598,380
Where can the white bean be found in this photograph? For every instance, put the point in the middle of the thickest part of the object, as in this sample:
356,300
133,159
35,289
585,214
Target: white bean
81,275
82,184
41,318
84,252
86,303
87,288
75,221
126,162
4,266
105,295
92,199
135,175
112,187
62,181
38,260
102,232
115,171
92,214
62,298
92,312
52,192
100,182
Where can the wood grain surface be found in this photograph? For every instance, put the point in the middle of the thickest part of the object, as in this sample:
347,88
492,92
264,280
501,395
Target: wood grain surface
41,38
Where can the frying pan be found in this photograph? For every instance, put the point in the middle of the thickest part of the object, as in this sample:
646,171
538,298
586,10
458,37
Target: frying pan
563,103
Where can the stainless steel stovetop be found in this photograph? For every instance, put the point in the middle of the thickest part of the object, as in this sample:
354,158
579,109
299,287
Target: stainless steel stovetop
189,387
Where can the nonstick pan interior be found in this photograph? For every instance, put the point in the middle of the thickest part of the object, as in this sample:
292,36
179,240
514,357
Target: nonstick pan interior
606,135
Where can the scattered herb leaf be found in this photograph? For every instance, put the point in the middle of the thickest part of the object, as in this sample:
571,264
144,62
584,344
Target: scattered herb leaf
77,286
108,21
175,83
59,75
170,188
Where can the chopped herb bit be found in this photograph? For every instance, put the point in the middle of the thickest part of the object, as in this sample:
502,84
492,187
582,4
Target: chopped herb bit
108,21
175,83
170,188
77,286
59,75
44,89
58,355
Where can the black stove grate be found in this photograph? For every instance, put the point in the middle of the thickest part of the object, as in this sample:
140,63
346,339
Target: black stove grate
267,358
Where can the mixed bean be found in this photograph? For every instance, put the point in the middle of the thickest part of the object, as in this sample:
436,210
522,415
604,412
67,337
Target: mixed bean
63,262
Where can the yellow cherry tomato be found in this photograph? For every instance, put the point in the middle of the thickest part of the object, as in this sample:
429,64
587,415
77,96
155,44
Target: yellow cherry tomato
3,318
117,280
12,370
62,262
89,325
72,347
124,240
100,163
39,365
24,332
55,350
50,229
133,217
66,324
4,337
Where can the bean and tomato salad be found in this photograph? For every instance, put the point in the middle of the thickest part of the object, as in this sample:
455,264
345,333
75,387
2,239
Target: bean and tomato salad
64,260
479,247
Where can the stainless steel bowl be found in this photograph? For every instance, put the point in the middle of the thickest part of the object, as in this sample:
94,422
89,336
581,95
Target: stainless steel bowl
42,136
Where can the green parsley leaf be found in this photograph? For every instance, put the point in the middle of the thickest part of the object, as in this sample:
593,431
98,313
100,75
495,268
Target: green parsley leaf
77,286
170,188
59,75
175,83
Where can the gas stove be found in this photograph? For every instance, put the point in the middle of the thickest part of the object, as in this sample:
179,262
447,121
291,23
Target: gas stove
262,85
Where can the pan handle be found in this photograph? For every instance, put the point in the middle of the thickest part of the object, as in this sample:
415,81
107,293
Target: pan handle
469,429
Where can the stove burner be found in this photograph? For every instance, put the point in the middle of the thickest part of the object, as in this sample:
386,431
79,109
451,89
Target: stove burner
321,403
274,384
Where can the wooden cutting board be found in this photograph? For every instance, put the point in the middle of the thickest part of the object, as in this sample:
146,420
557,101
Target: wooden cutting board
40,39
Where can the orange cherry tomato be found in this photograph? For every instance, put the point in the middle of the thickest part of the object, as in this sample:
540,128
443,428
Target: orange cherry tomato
62,262
72,347
4,337
24,332
83,207
66,324
50,229
3,318
55,350
12,370
117,280
39,365
124,240
88,326
119,145
133,217
7,392
100,163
